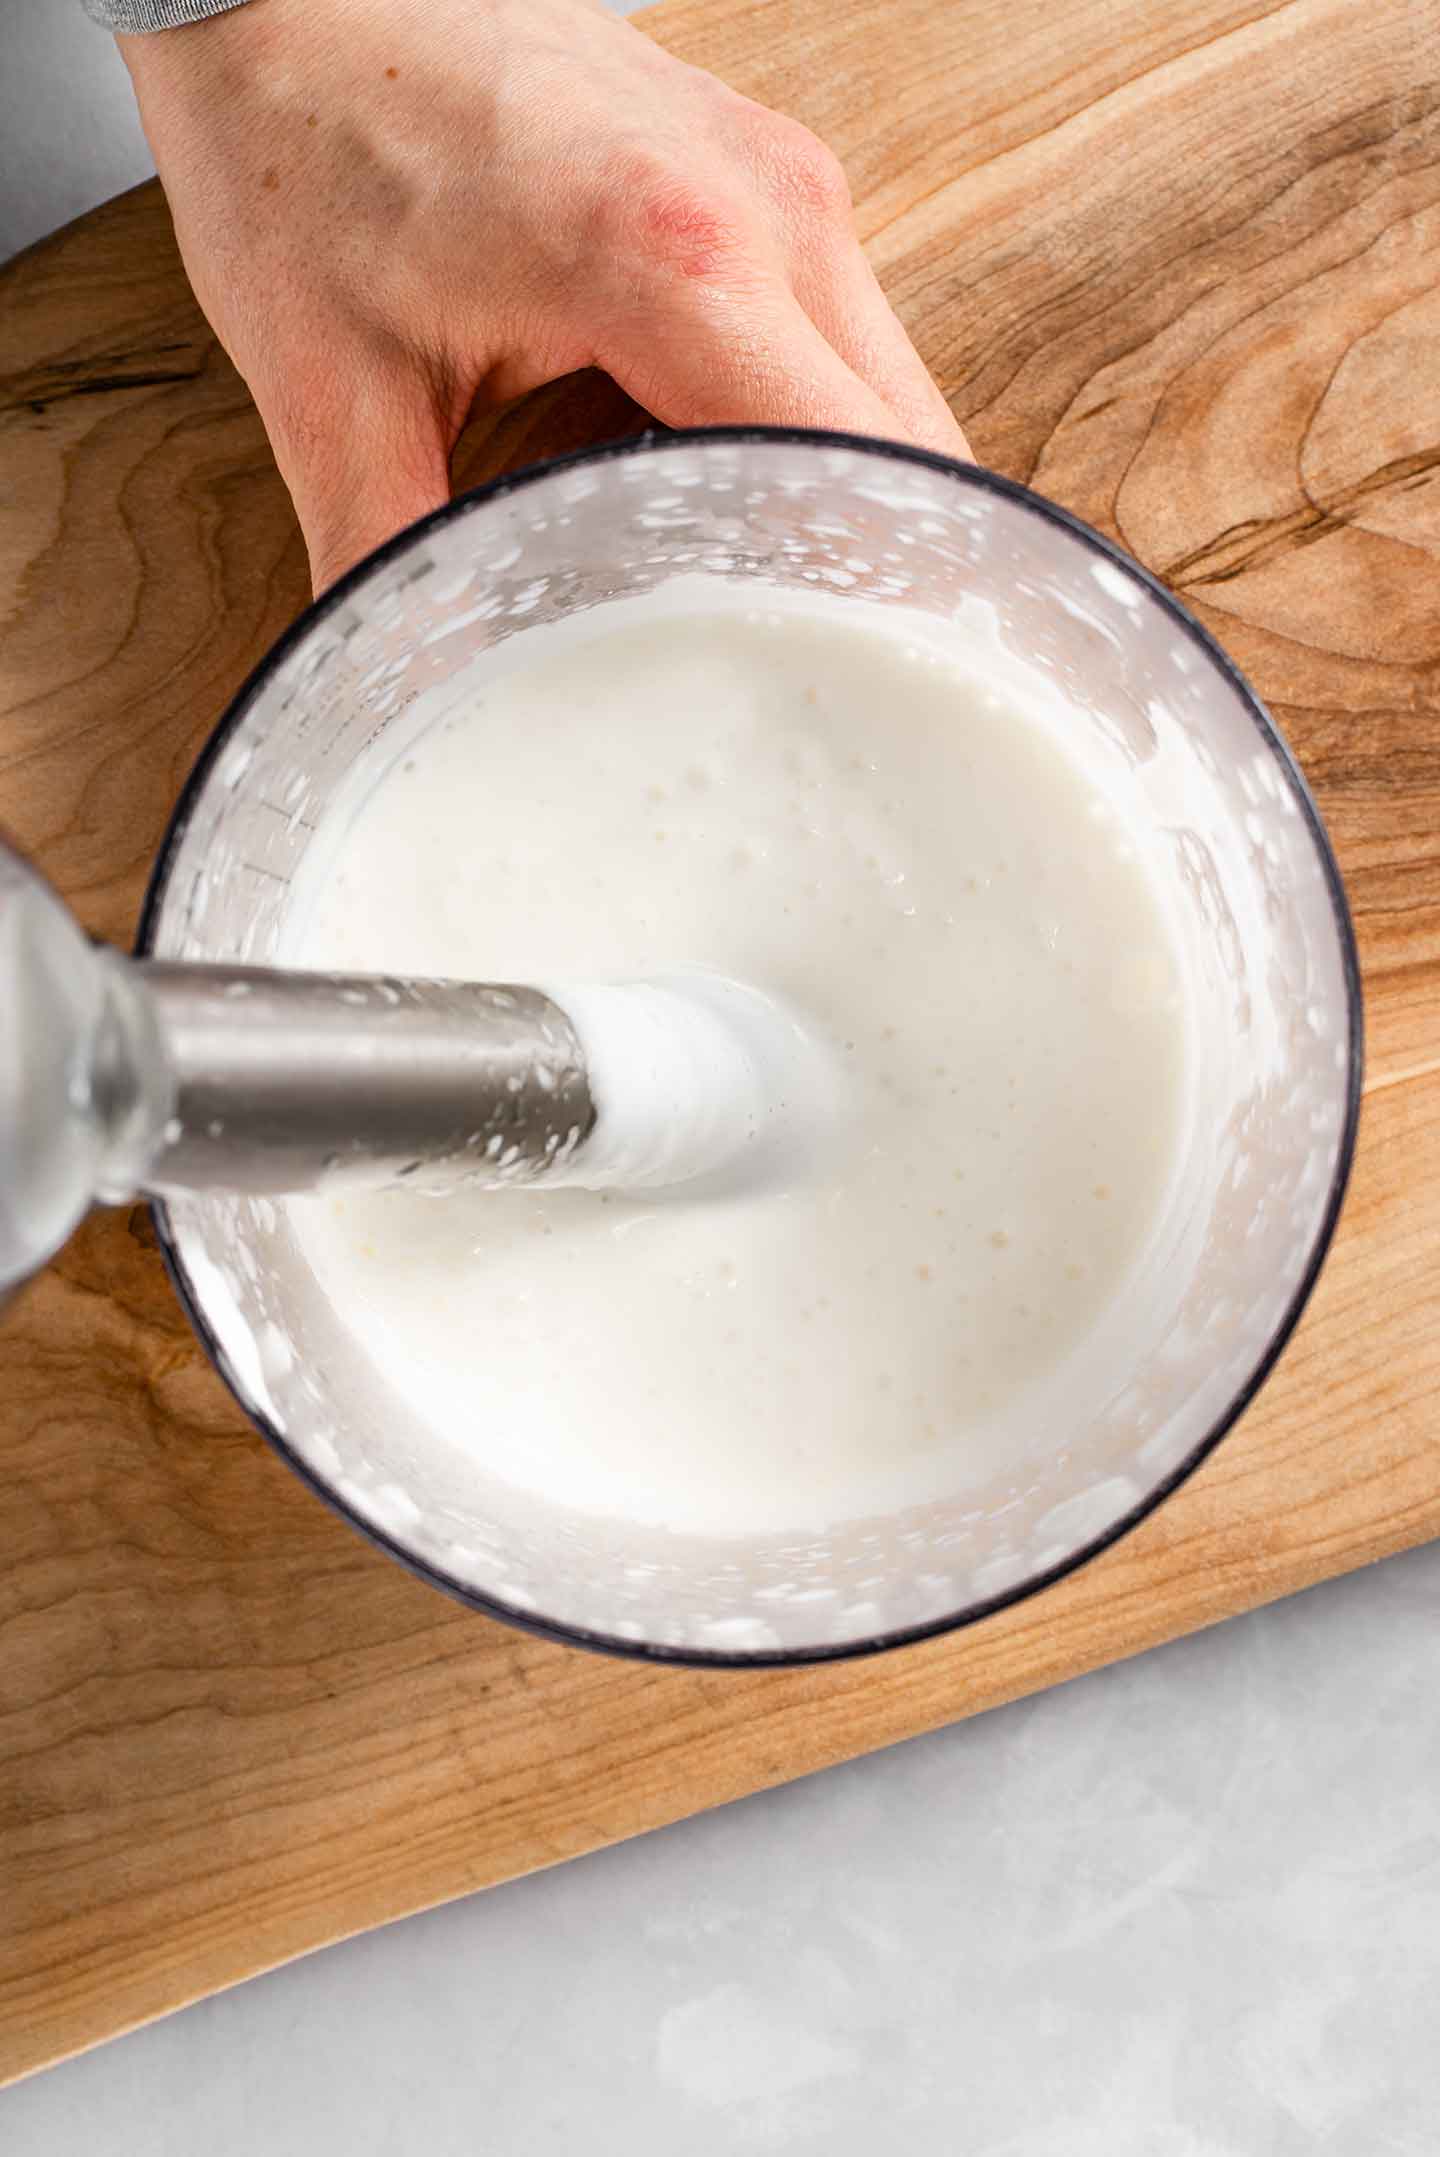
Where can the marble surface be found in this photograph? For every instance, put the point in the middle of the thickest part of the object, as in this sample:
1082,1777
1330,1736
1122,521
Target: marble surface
1186,1907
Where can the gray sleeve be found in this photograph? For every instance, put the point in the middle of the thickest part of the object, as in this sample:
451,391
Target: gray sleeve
154,14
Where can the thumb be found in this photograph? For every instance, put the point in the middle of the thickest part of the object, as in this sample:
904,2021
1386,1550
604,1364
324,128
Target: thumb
359,469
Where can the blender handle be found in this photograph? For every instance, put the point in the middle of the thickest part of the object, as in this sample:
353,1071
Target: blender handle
83,1088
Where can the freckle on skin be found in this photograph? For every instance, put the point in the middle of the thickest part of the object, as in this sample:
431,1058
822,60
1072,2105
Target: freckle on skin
271,180
312,119
392,74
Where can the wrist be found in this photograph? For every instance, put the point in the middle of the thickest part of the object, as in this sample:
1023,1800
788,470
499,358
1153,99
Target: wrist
228,62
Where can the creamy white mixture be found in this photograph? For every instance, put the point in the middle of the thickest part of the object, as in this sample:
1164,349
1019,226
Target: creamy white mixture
821,802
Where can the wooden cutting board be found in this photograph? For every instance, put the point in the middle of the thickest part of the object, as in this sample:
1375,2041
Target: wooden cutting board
1177,266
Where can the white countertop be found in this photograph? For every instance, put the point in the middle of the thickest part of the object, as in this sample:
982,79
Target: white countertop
1186,1907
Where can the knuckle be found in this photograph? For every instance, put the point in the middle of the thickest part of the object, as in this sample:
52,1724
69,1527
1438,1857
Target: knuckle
671,221
805,171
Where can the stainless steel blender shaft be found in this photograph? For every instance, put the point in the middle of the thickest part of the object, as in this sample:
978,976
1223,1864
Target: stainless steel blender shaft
284,1082
118,1077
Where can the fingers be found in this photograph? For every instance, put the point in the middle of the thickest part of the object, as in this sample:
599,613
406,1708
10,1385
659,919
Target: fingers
805,185
750,356
785,328
361,461
841,294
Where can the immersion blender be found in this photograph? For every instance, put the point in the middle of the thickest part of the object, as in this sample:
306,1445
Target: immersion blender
121,1077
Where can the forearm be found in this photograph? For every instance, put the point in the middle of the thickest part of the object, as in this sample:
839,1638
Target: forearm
133,16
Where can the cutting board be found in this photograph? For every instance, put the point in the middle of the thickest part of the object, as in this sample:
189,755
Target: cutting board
1176,265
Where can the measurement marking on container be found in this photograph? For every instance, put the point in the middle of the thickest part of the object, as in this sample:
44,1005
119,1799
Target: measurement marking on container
288,815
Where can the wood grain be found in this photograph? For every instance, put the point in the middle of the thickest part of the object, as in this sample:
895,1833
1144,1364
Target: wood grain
1177,266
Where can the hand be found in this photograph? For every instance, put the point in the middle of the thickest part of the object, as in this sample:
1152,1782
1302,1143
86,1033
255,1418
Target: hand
395,210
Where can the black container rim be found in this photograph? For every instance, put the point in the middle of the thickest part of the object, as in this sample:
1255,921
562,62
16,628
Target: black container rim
657,443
